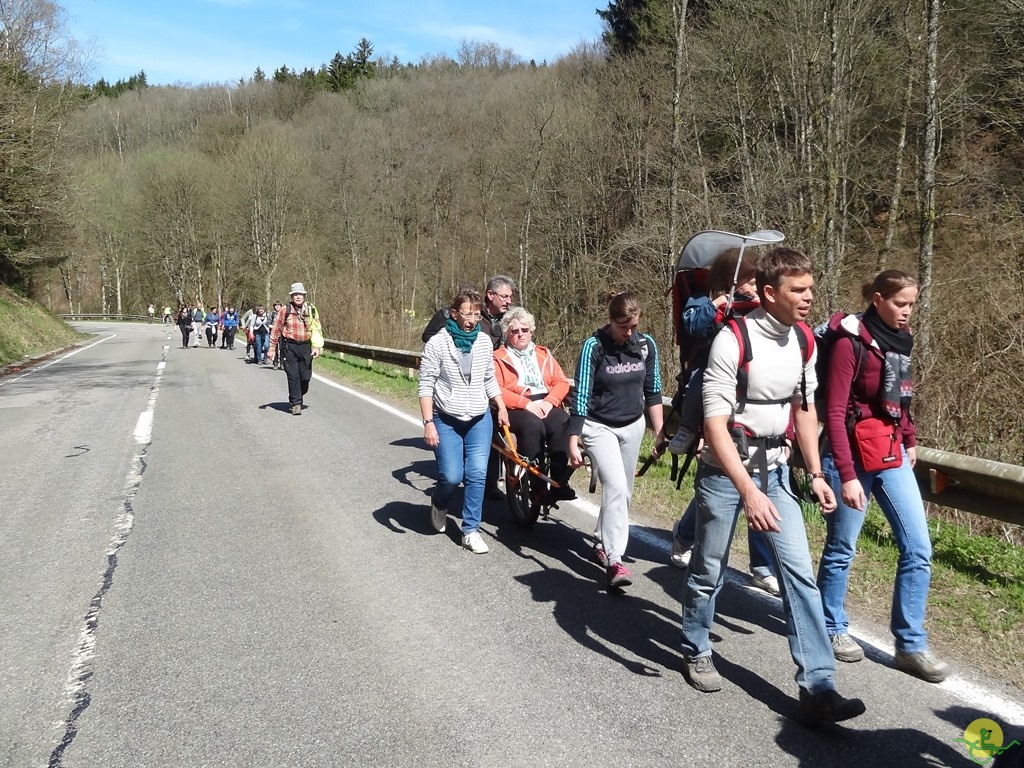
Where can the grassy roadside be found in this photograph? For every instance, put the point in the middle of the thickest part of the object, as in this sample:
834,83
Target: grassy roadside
976,604
26,329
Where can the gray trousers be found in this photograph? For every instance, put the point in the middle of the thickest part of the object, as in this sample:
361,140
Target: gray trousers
613,454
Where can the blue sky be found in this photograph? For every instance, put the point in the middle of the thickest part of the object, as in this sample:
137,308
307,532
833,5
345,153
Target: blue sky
213,41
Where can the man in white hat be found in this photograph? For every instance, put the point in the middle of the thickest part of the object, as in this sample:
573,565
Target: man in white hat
292,331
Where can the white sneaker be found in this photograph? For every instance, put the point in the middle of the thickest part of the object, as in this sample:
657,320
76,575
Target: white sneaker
769,584
475,543
680,556
682,442
438,518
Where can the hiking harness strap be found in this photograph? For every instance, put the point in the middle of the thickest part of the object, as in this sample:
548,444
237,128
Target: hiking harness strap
761,445
738,325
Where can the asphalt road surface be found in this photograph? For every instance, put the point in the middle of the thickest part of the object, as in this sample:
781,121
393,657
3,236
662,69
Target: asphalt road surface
194,577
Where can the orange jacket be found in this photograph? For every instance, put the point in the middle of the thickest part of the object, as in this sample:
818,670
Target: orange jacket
513,393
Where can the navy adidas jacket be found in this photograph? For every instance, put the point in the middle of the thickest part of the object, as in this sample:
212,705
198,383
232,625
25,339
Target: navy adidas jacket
614,384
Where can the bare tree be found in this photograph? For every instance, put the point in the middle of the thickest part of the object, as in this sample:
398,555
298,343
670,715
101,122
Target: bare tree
929,157
267,173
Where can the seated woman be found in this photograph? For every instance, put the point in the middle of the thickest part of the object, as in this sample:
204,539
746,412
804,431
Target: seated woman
533,387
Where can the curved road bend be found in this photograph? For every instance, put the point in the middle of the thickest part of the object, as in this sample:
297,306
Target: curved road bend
194,577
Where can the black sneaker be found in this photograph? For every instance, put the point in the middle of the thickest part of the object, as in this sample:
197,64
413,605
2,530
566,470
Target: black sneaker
562,493
828,707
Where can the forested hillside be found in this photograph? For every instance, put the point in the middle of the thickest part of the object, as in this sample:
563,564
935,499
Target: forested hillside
872,132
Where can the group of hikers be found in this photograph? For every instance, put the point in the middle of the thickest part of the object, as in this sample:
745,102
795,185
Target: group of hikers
759,390
288,336
224,324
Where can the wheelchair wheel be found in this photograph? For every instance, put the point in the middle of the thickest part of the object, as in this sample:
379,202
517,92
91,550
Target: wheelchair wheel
517,492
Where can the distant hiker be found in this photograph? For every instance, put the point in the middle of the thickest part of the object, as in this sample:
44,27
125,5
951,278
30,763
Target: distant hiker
211,323
259,329
184,321
228,327
292,334
198,316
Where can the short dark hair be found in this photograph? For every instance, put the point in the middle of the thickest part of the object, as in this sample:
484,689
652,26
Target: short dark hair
778,263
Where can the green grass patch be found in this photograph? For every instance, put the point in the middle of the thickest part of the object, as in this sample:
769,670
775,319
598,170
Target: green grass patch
27,329
379,378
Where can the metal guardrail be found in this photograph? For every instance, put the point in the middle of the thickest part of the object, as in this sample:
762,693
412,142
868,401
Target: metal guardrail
979,486
989,488
97,316
408,360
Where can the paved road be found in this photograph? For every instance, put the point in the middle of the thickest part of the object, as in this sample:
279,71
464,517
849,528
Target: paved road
194,577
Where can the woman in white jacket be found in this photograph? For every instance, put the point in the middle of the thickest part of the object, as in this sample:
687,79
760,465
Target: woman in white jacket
456,386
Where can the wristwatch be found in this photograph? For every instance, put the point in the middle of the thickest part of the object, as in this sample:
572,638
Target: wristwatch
427,421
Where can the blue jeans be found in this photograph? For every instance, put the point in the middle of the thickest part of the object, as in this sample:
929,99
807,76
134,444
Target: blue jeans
260,342
718,509
760,555
462,450
896,492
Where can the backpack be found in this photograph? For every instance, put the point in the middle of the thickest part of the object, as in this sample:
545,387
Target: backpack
312,314
687,283
825,336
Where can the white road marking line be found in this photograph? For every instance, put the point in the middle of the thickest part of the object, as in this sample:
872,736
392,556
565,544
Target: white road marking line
58,360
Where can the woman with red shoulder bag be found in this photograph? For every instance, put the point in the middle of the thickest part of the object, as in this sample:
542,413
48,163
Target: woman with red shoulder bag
871,452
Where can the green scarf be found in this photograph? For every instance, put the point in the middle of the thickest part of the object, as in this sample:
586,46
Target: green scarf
463,339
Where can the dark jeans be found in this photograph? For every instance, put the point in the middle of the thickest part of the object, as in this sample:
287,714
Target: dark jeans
186,331
298,367
229,337
211,335
260,343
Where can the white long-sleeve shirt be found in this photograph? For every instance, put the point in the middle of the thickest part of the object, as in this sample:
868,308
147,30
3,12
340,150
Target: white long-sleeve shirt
773,374
442,377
